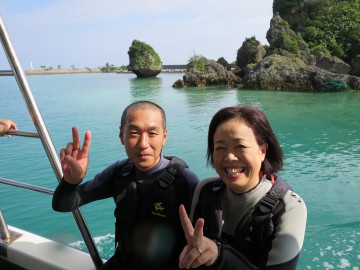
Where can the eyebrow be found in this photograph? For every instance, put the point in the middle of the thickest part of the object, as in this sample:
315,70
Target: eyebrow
131,126
235,140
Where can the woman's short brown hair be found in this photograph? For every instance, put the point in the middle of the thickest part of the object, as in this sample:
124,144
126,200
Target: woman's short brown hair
263,132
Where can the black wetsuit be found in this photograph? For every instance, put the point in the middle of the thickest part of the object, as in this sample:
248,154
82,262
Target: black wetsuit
68,197
280,252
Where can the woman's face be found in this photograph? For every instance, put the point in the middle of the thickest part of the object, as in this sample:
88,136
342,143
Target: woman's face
237,155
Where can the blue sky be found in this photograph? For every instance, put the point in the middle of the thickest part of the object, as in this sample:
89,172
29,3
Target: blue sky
89,33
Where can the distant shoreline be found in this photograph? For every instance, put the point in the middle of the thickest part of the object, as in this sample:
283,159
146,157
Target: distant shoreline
78,71
62,71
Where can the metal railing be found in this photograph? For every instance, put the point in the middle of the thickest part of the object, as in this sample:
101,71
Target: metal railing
4,230
44,136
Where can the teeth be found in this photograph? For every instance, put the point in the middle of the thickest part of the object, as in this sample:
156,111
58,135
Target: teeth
234,170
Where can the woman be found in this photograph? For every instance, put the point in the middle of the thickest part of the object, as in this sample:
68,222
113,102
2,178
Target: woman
247,218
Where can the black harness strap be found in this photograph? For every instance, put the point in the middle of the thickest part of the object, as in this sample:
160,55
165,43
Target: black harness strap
168,176
255,231
136,199
268,205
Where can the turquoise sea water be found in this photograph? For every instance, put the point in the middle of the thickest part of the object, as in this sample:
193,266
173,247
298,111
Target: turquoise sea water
319,133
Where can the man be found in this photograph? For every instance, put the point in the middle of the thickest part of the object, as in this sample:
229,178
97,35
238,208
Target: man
147,189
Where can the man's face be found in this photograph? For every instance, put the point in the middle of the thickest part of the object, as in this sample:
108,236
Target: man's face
143,136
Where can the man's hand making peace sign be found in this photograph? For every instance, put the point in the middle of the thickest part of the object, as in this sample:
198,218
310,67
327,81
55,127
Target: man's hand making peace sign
74,161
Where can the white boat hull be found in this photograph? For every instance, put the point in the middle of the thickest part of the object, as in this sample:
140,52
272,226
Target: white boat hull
33,252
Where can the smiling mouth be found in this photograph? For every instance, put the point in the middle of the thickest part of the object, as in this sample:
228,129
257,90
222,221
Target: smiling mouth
144,156
234,171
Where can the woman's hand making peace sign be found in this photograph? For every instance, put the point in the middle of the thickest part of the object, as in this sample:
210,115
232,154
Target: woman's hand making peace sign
199,250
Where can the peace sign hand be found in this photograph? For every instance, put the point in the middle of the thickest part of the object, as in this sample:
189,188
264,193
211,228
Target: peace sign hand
74,161
199,250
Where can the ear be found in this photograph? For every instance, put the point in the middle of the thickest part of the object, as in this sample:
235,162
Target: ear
121,134
263,149
165,137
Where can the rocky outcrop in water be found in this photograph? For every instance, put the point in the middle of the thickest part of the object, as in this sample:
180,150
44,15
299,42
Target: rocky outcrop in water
290,65
251,52
332,64
144,61
205,72
278,72
286,64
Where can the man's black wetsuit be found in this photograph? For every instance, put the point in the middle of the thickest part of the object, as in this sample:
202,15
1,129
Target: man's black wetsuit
145,240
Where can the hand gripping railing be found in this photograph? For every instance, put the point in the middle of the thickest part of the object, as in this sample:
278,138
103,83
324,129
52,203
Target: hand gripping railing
44,135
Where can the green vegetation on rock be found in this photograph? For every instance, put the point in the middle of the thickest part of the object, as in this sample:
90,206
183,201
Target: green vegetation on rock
331,26
198,62
144,60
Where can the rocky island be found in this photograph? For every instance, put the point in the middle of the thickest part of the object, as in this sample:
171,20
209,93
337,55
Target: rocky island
301,55
144,60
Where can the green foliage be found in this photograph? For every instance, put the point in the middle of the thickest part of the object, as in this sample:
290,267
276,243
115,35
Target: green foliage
59,67
109,68
338,51
143,55
198,62
45,68
321,48
333,24
252,41
283,6
287,43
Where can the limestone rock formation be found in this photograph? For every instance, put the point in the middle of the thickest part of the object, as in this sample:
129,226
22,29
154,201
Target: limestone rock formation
204,72
332,64
278,72
285,41
251,52
144,60
225,63
291,65
179,84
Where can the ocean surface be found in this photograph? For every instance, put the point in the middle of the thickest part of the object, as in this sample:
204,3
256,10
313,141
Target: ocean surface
319,134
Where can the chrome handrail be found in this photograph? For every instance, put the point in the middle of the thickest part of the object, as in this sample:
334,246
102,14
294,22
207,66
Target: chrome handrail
22,185
4,230
44,135
22,133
